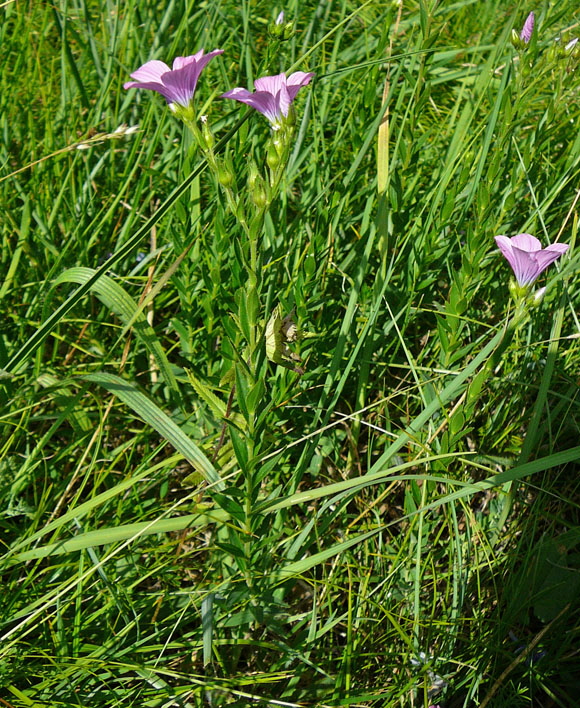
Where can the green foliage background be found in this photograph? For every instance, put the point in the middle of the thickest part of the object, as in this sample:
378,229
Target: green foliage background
415,535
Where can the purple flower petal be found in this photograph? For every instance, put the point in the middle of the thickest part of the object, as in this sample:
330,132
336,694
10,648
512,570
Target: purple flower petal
176,85
180,62
549,255
152,86
276,86
150,71
526,256
203,61
271,84
296,81
526,242
273,95
524,265
528,28
262,101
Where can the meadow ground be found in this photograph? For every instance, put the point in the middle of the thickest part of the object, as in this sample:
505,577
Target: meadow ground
277,425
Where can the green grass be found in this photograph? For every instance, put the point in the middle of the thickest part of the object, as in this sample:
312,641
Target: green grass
186,523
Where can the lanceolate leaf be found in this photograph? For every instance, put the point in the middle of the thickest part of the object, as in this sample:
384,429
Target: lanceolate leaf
116,534
159,421
116,298
122,533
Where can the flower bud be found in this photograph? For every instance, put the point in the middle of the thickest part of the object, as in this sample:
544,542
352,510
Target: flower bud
528,28
253,175
516,41
280,29
277,29
279,142
225,173
272,157
572,51
288,30
538,297
257,188
290,121
259,198
207,134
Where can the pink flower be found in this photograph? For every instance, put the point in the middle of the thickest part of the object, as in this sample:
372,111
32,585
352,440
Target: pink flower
528,28
273,95
176,85
527,257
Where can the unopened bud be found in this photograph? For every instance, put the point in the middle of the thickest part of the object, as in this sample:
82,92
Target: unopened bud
259,196
516,41
257,187
572,49
279,142
280,29
253,175
528,28
225,174
290,122
288,30
538,297
272,156
206,133
277,29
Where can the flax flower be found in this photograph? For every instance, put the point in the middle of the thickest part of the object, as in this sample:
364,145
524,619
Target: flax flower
273,95
527,257
176,85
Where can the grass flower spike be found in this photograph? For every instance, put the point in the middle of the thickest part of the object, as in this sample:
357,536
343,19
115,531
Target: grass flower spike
273,95
528,28
527,257
176,85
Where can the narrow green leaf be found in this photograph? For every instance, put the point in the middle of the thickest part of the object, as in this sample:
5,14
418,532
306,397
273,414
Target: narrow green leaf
116,298
159,421
116,534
